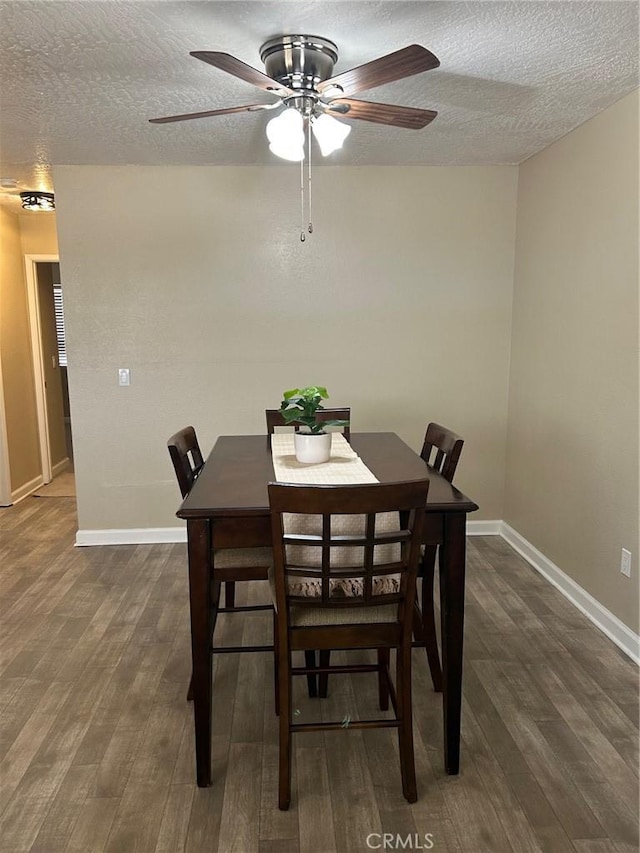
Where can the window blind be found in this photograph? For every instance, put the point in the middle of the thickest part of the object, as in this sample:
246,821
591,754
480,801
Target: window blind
59,311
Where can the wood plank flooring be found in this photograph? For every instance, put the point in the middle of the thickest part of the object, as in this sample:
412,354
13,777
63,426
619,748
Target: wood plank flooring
96,736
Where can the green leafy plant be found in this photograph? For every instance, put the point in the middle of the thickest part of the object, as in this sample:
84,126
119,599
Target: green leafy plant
301,404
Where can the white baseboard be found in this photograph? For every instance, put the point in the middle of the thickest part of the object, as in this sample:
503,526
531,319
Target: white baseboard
33,485
609,624
132,536
59,467
159,535
483,528
27,489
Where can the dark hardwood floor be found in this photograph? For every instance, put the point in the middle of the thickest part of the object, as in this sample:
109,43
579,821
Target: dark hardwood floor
96,737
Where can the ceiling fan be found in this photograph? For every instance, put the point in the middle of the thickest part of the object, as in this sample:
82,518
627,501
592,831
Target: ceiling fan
298,72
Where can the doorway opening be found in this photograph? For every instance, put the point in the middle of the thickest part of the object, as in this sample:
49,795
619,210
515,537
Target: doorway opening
61,341
46,312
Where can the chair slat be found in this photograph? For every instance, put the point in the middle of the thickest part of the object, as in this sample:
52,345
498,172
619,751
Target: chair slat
447,446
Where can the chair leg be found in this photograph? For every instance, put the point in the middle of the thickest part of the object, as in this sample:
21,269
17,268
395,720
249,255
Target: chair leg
405,731
284,766
428,617
229,594
310,662
383,679
323,678
276,665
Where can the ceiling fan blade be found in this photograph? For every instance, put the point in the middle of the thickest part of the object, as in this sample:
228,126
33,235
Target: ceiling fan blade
228,63
394,66
249,108
382,113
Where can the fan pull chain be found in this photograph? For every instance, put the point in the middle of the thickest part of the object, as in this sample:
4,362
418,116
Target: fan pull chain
310,226
302,234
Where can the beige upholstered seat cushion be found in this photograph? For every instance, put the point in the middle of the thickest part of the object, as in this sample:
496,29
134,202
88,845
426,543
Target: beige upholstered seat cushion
242,558
302,617
306,616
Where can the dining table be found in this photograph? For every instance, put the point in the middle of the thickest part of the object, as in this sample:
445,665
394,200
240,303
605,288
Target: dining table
228,506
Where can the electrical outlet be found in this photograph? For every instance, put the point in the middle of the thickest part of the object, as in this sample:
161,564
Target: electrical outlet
625,563
124,377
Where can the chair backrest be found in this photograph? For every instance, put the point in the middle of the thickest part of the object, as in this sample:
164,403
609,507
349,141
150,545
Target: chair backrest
275,419
186,457
447,446
343,546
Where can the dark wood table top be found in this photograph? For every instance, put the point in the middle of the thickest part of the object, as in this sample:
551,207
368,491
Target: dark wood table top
234,479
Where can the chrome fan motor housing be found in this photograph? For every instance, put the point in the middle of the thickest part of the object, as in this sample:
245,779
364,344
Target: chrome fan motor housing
299,62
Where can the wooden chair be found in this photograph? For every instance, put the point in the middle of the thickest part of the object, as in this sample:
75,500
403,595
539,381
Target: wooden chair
365,603
231,564
275,419
441,451
187,459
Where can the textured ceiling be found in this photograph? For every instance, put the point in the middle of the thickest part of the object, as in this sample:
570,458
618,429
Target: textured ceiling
78,80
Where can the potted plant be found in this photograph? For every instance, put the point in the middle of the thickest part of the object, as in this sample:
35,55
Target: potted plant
299,406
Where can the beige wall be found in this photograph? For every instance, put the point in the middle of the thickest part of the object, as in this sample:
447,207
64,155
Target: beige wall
38,233
15,358
196,280
572,460
401,303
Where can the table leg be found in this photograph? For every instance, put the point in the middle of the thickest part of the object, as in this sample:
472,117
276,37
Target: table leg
199,549
452,574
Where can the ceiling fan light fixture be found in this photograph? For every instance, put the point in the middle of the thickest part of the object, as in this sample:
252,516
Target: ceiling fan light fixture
294,153
285,132
329,133
36,200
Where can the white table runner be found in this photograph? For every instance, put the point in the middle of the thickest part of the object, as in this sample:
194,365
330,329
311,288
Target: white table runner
344,468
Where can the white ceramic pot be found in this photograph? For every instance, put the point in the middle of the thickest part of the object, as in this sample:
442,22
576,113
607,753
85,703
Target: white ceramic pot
312,447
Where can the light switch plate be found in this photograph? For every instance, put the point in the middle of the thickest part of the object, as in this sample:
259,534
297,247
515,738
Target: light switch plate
625,563
124,377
